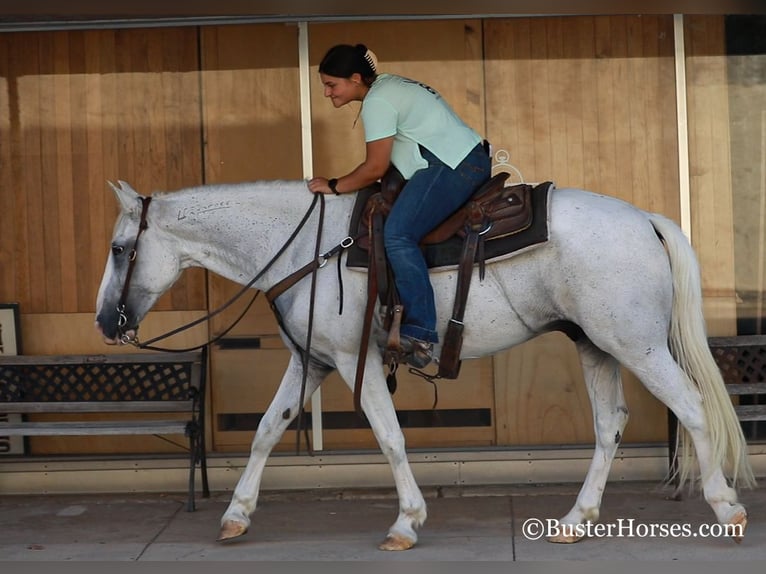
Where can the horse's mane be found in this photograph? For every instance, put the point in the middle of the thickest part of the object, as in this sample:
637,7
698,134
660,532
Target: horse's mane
277,185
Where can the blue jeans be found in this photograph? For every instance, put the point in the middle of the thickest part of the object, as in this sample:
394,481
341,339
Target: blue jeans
431,195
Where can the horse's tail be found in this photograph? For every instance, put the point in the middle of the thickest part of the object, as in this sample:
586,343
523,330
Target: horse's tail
689,346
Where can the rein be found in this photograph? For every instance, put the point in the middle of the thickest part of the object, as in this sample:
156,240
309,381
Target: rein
143,225
319,261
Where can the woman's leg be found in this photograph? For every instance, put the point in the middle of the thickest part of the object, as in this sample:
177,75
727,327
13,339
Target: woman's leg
431,196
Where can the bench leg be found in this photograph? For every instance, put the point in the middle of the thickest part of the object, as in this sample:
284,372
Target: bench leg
203,471
190,507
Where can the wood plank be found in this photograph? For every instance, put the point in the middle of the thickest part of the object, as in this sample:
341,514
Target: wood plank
751,412
74,333
747,389
591,76
710,167
608,180
589,98
253,376
510,73
68,256
559,103
48,234
93,124
93,428
8,142
29,96
143,357
542,167
131,406
251,133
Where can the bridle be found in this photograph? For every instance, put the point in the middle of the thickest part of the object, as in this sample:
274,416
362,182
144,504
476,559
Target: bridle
122,318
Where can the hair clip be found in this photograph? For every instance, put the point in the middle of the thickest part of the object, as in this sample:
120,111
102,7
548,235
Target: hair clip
372,60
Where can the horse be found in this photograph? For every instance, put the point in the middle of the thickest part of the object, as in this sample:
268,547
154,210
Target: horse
623,282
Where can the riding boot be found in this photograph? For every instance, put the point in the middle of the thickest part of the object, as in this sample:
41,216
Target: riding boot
415,352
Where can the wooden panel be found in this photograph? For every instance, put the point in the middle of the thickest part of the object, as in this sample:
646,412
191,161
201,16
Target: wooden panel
542,400
74,333
79,108
586,102
251,108
710,168
247,380
747,111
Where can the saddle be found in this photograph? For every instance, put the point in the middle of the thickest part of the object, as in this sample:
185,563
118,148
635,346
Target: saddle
494,212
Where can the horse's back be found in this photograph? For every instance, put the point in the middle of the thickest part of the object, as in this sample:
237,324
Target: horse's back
585,224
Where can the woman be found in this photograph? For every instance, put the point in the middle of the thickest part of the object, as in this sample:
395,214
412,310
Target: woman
409,124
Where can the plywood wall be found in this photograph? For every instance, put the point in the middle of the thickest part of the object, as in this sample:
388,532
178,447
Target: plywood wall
78,109
710,168
585,102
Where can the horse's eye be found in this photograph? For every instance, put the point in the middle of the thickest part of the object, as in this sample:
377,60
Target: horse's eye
117,249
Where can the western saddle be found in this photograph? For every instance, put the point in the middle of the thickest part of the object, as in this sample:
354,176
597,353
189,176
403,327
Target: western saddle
493,212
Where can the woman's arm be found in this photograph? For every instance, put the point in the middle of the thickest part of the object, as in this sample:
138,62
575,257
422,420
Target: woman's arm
370,170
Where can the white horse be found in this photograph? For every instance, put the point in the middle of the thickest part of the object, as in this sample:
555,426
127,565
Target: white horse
627,279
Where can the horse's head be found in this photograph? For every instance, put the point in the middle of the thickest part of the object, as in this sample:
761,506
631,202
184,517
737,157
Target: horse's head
140,268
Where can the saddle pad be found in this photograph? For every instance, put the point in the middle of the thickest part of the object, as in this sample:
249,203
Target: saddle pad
446,254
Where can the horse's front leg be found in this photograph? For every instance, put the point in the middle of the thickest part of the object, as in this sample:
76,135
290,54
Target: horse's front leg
281,412
379,409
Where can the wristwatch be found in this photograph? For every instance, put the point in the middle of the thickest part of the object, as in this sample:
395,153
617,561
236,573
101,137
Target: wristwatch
332,183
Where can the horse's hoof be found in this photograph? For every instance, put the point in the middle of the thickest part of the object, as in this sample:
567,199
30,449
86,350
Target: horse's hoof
738,525
230,530
396,543
562,538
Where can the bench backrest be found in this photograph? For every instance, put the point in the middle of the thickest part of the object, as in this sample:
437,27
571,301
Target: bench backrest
160,382
742,361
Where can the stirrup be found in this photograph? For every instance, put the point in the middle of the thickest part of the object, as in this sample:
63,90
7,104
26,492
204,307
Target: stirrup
415,352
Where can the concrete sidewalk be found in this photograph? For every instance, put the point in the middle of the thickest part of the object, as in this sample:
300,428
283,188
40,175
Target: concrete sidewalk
464,524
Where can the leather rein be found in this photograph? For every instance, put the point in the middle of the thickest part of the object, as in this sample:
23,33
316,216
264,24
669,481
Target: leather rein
320,260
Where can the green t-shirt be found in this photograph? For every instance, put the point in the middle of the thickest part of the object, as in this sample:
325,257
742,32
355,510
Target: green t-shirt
415,114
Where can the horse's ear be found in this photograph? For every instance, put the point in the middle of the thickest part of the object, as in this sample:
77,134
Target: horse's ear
126,195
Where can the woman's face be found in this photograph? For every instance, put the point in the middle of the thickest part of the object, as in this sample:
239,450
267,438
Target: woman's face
343,90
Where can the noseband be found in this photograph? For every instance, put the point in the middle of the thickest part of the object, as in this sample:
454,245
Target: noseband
122,319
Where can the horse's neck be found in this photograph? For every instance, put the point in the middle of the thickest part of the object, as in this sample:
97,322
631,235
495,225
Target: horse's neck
234,230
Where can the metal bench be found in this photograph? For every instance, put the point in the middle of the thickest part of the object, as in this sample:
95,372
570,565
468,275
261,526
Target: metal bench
742,362
148,383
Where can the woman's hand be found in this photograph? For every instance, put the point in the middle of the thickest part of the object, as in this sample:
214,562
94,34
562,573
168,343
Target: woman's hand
319,185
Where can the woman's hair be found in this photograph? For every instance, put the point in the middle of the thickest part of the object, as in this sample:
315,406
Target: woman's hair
344,60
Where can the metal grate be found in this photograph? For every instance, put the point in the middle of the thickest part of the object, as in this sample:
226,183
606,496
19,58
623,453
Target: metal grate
741,364
96,382
742,361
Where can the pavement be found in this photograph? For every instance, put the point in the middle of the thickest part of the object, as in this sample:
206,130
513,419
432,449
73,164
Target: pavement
464,524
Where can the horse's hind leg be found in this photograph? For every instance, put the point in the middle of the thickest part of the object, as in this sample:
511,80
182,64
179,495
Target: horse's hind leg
281,412
662,376
610,415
